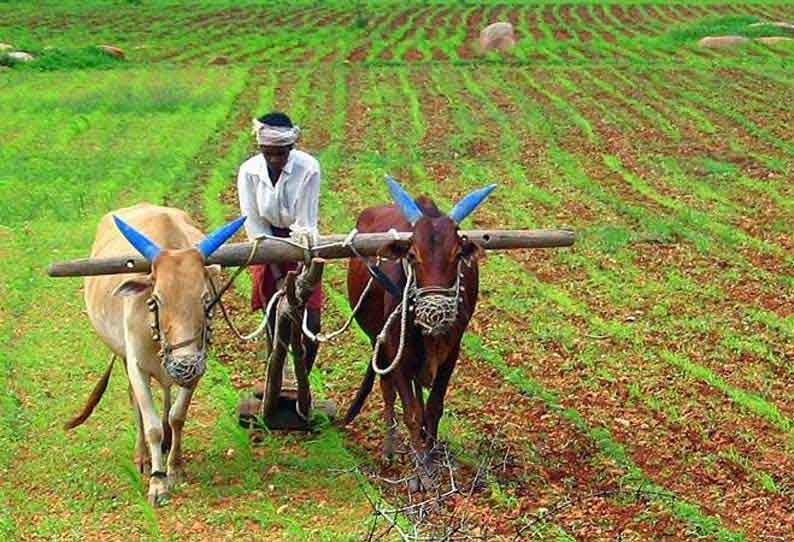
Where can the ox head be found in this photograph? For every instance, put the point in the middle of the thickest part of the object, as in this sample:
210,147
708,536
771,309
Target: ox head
437,254
178,294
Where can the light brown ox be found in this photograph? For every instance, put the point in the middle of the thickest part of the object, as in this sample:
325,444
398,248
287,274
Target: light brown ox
122,308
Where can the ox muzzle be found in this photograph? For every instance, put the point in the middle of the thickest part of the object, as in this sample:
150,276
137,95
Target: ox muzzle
435,308
185,369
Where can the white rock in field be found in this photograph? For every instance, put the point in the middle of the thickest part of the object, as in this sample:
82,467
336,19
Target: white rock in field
21,56
778,24
718,42
112,51
774,40
6,46
497,37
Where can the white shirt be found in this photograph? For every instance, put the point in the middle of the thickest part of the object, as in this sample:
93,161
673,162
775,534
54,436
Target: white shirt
291,203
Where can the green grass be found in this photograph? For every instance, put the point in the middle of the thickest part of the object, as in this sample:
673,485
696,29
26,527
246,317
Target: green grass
672,164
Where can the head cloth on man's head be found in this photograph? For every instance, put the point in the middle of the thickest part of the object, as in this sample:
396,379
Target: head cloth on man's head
276,136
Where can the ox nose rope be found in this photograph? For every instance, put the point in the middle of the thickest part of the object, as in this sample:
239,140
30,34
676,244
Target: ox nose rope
435,311
402,310
218,294
375,275
183,369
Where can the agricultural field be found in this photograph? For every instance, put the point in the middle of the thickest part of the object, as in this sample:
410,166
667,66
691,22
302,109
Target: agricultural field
636,387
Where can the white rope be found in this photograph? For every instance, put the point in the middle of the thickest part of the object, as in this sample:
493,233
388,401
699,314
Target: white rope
263,325
285,240
324,338
403,324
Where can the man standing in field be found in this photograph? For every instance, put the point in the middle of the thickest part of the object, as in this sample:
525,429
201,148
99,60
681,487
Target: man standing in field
279,191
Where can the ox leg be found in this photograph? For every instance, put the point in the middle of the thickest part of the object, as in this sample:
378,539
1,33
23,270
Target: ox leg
176,419
435,403
164,420
412,412
421,398
141,451
153,431
389,395
412,415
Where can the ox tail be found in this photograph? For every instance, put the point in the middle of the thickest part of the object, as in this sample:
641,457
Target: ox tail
361,396
93,399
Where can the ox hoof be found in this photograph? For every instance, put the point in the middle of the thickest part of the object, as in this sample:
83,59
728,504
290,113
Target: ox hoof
387,455
415,484
158,497
424,474
158,492
421,481
390,449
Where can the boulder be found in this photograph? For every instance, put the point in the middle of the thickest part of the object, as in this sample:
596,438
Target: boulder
775,40
6,46
497,37
21,56
719,42
221,60
112,51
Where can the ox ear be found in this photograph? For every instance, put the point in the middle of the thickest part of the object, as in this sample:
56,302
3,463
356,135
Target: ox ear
405,203
469,203
471,252
218,237
134,286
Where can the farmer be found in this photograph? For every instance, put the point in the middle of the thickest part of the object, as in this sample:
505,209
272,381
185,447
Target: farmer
279,191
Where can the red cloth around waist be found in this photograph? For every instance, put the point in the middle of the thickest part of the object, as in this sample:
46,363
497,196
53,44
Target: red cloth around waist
266,276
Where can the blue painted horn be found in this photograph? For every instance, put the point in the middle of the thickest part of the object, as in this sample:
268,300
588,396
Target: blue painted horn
469,203
404,201
218,237
139,241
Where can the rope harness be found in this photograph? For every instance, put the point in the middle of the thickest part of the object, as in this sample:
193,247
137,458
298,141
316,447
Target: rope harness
435,311
185,370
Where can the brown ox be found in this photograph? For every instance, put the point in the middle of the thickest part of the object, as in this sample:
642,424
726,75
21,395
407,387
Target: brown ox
441,303
158,323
